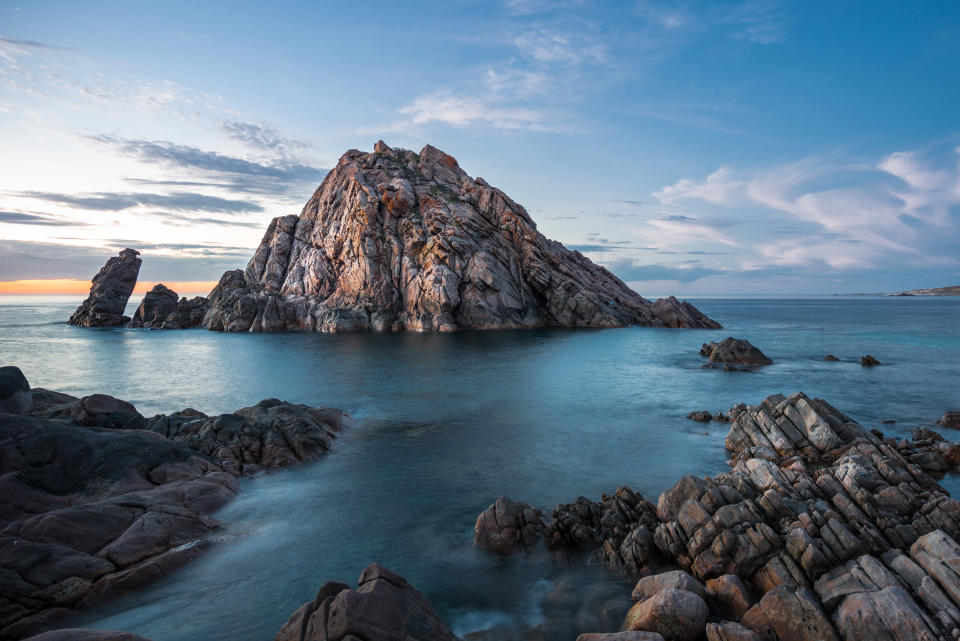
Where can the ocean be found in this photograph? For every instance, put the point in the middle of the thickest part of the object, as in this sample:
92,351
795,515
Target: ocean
449,422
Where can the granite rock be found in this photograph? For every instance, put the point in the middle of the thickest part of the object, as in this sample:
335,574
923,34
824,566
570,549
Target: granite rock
395,240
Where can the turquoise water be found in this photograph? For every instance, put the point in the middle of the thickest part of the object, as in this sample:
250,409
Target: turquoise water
449,422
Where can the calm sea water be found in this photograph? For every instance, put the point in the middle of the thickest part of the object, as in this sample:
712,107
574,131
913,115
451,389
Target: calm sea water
450,422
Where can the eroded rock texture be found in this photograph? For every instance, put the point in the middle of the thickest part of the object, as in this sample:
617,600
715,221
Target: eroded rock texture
821,529
395,240
734,350
384,607
109,292
161,309
96,500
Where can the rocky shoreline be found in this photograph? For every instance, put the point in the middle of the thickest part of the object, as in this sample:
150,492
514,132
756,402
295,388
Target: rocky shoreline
821,528
97,500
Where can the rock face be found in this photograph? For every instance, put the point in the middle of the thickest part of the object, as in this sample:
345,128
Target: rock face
187,313
96,500
734,350
384,607
156,305
394,240
109,292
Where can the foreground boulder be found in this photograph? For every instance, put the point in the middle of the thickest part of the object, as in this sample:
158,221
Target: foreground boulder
97,500
109,292
676,615
384,607
395,240
734,350
15,395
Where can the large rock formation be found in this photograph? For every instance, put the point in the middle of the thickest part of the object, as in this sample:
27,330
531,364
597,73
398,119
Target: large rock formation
96,499
395,240
109,292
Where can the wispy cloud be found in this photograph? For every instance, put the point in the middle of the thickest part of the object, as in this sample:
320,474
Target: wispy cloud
114,201
279,177
21,218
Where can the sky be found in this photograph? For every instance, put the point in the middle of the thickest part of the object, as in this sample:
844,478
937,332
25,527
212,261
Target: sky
693,148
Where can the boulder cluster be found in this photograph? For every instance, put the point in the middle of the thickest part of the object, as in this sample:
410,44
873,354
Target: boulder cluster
96,499
395,240
821,530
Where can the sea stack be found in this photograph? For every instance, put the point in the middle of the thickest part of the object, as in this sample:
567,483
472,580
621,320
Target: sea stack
109,292
395,240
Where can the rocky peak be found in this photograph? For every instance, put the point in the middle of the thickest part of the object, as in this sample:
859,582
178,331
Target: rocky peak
395,240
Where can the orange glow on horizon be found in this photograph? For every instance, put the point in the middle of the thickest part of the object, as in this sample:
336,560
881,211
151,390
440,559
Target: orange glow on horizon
82,287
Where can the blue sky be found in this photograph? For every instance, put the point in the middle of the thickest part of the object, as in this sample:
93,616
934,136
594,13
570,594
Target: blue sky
693,148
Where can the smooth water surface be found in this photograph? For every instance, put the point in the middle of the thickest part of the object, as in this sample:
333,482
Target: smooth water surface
449,422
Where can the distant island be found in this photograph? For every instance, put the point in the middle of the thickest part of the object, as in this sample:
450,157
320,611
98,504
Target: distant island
953,290
935,291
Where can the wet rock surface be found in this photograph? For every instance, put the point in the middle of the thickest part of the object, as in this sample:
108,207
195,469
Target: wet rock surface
821,529
734,350
96,500
109,292
395,240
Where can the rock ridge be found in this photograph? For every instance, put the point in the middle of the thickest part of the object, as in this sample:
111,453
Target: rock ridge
396,240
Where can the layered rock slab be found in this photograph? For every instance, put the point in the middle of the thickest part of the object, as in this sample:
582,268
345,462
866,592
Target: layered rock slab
394,240
96,500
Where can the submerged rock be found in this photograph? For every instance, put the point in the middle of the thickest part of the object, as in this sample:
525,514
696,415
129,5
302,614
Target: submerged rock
109,292
734,350
869,361
830,357
700,416
394,240
950,420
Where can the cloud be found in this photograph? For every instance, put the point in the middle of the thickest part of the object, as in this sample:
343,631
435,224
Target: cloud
20,218
240,174
593,248
261,136
117,201
548,46
858,214
628,270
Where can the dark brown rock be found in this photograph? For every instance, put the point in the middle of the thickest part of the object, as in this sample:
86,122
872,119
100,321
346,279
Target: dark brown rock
156,305
508,526
868,361
830,357
394,240
734,350
701,416
950,420
109,292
